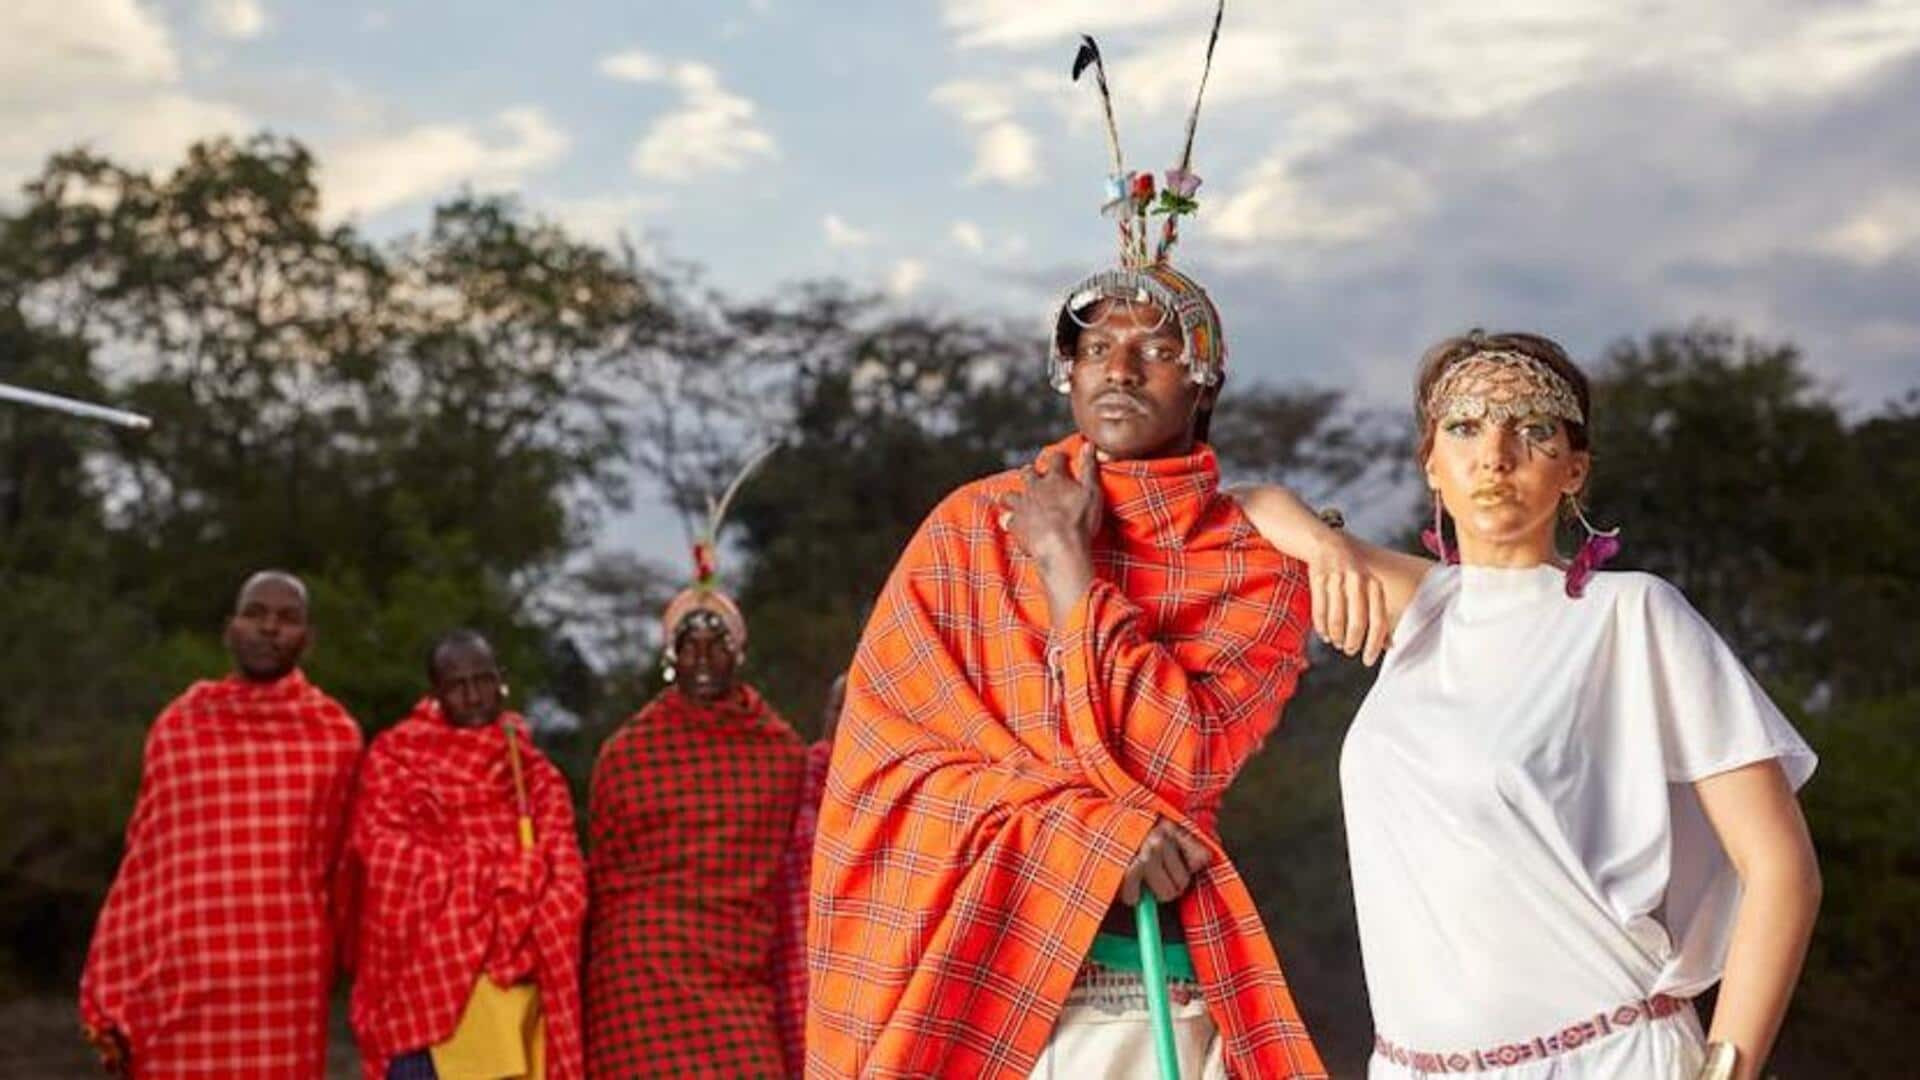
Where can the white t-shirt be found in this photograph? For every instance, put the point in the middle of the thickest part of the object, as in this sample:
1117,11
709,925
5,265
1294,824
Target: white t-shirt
1527,847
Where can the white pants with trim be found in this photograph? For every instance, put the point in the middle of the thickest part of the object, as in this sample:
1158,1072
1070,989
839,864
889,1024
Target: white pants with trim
1092,1043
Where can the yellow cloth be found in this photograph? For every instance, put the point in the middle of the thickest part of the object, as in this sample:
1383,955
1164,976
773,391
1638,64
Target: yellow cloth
501,1036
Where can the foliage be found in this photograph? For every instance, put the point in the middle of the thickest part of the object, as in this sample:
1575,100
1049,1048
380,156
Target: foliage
1787,526
417,430
431,431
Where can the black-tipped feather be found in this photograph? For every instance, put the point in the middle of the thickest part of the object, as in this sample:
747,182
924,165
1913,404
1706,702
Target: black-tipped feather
1089,55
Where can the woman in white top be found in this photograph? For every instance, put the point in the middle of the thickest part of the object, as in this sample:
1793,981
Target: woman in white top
1570,809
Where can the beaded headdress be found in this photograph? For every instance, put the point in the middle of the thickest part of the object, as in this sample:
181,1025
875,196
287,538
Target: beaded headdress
702,604
1144,275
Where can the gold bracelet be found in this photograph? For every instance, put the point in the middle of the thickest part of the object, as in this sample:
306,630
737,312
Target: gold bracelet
1722,1058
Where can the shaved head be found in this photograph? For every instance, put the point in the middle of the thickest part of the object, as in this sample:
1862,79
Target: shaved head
466,679
267,633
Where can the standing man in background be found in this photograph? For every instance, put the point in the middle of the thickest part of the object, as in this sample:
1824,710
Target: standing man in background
692,809
214,953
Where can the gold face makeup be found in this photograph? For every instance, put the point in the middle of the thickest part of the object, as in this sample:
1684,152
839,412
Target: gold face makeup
1501,457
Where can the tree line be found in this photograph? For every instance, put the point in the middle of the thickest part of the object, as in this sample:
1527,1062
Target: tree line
435,430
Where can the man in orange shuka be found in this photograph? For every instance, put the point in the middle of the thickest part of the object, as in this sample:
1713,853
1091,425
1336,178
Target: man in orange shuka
1065,671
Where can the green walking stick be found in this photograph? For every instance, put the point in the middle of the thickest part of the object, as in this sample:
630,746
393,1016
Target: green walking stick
1146,916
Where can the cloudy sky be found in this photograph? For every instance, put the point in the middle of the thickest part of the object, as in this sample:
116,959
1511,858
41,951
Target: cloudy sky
1377,174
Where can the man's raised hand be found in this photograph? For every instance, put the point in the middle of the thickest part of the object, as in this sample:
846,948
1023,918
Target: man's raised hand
1053,513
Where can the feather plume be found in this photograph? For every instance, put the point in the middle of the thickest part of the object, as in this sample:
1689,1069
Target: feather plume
717,509
706,560
1206,68
1089,55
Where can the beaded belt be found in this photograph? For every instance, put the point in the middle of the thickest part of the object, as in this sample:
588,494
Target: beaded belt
1113,991
1571,1037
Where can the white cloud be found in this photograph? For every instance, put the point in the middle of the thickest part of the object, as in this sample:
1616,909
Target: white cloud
842,235
53,46
236,19
98,73
712,130
1473,57
605,219
369,175
1333,79
1005,149
1358,198
1886,227
633,65
969,237
1024,24
1006,153
906,277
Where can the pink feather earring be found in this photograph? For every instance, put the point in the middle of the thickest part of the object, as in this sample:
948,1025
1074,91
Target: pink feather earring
1595,551
1435,539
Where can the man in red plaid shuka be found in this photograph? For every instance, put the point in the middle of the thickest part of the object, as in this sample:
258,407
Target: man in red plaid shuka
1063,674
214,953
453,888
692,806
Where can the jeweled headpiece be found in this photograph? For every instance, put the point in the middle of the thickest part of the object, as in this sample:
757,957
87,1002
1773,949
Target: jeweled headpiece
1501,385
1143,278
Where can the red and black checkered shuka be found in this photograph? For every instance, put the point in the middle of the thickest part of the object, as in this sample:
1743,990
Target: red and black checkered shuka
692,810
215,951
446,894
790,942
992,781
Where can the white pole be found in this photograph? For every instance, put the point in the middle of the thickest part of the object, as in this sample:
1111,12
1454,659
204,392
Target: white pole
74,408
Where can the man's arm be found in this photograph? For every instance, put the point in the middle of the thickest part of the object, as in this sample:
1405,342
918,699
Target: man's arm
1169,729
1054,518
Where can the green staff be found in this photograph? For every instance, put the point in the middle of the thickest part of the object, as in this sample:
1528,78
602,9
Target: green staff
1153,958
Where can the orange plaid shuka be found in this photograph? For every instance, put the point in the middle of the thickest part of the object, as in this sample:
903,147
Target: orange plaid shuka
991,781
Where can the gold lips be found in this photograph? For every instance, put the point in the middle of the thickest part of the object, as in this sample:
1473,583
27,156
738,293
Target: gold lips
1494,493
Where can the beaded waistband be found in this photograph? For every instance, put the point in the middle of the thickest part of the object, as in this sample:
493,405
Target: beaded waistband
1111,990
1571,1037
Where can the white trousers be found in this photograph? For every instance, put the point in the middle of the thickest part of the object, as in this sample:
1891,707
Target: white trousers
1091,1043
